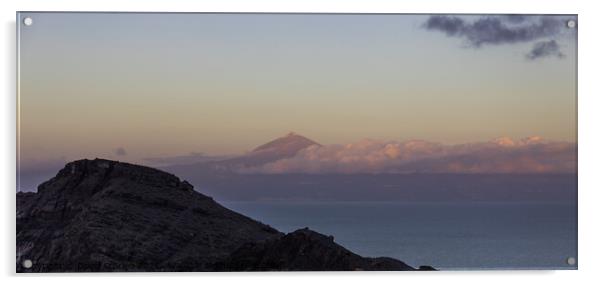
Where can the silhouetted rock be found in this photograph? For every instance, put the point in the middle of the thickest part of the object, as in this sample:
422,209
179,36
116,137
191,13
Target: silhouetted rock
305,250
101,215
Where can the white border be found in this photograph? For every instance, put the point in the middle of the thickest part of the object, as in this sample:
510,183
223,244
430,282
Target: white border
589,136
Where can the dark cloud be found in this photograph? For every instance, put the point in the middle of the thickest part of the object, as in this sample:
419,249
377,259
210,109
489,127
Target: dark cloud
515,18
452,26
504,29
545,49
494,30
120,151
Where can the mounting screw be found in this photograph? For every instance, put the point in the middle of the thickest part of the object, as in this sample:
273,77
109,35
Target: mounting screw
571,24
571,261
27,263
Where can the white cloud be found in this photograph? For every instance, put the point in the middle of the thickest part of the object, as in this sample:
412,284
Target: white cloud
502,155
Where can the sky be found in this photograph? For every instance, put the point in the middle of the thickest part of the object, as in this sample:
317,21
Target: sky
134,86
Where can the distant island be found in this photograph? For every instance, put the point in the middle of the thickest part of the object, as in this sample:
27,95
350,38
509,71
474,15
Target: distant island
105,216
294,167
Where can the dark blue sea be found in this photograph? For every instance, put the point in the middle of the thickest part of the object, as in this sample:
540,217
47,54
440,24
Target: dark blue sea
475,235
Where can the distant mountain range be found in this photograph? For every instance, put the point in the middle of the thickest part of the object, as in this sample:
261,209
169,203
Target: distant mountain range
101,215
295,153
294,167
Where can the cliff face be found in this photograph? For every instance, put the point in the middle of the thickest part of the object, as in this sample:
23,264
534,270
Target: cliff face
101,215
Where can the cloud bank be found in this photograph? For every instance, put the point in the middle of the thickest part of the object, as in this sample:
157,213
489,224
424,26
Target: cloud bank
506,29
503,155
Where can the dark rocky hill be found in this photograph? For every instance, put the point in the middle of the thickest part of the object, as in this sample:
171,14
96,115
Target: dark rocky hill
101,215
305,250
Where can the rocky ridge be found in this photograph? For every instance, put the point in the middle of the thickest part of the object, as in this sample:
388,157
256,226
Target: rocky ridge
102,215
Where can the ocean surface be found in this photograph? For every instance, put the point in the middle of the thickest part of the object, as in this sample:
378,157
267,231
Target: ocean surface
475,235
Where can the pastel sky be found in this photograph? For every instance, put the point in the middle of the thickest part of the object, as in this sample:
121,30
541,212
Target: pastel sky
133,86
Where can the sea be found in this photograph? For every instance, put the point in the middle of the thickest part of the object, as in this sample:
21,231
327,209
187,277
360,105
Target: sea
445,235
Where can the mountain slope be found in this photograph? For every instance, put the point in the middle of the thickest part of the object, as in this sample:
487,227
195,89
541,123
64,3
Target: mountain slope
280,148
287,145
101,215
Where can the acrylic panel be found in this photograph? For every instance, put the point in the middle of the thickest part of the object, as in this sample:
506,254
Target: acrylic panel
295,142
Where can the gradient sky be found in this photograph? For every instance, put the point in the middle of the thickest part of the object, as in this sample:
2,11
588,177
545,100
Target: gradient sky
170,84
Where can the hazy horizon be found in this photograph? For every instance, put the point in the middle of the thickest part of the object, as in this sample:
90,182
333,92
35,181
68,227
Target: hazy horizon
287,155
153,85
